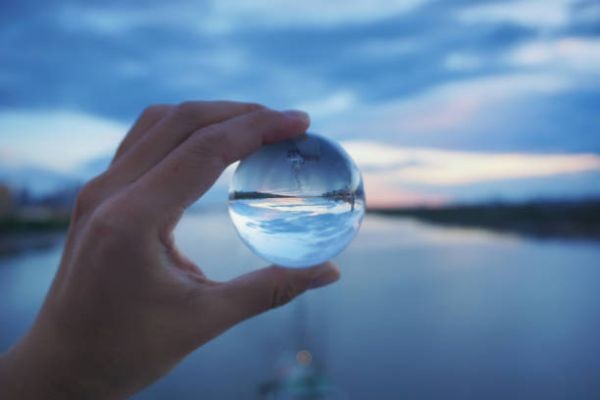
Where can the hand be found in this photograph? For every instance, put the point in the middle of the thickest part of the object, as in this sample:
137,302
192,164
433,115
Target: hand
126,305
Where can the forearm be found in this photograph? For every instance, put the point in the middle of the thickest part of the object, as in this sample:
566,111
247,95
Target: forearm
40,368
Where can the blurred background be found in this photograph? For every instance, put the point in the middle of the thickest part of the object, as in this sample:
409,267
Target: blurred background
476,127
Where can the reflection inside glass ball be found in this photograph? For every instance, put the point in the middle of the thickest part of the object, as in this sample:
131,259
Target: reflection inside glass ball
298,202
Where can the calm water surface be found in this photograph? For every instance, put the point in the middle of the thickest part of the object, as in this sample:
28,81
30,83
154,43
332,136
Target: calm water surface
297,231
421,312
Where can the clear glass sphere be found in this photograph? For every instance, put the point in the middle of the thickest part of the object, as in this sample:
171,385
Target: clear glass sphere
298,202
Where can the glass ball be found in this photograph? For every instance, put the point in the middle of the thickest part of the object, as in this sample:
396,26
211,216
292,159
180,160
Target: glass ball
298,202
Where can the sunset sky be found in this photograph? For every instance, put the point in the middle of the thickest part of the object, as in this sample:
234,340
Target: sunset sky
437,101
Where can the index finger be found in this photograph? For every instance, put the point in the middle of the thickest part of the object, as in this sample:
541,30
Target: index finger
192,168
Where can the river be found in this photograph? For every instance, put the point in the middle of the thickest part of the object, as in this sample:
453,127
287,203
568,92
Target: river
421,312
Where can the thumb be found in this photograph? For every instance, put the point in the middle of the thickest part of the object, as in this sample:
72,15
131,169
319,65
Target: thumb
271,287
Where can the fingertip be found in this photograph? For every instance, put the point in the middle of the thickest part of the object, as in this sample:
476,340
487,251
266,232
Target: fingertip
296,122
310,270
324,266
309,277
325,279
324,274
297,115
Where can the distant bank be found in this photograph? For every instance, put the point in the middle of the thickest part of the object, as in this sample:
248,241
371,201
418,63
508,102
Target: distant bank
544,219
565,219
31,229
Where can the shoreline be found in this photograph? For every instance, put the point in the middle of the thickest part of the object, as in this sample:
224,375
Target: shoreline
559,220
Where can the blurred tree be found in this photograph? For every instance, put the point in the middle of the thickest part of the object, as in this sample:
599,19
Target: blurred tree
6,200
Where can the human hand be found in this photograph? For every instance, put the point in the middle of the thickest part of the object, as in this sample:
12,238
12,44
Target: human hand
125,305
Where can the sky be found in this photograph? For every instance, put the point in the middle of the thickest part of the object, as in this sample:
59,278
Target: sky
437,101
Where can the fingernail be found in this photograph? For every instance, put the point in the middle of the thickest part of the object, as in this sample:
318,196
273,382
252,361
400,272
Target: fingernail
296,114
330,275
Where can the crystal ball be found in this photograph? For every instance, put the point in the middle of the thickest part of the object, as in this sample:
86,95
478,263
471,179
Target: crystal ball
298,202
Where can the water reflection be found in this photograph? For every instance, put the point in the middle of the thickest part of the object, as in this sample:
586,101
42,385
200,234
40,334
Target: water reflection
14,244
296,231
420,312
300,372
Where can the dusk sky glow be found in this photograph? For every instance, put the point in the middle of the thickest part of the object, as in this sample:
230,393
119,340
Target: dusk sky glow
436,101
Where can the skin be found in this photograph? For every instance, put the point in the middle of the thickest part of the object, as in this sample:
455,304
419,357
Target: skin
125,305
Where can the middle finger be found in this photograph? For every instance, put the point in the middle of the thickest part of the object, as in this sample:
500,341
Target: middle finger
168,133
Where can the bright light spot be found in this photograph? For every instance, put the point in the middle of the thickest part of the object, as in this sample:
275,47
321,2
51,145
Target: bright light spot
304,357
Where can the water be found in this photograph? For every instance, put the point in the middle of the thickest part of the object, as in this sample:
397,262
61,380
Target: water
299,202
296,232
421,312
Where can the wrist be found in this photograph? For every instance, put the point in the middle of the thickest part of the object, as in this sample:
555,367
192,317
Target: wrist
42,367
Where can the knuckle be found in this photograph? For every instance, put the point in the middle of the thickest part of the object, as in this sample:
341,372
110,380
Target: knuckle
251,107
156,111
89,196
109,223
102,224
210,145
188,110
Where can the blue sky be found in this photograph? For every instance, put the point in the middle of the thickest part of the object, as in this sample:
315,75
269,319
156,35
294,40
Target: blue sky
437,100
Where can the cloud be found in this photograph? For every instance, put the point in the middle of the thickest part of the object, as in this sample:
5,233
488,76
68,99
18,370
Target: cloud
576,57
58,140
273,52
331,105
224,17
404,175
545,14
385,47
463,62
442,167
448,109
570,54
309,12
393,174
460,76
381,192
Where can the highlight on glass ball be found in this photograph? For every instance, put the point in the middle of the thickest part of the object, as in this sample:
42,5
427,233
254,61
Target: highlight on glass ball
299,202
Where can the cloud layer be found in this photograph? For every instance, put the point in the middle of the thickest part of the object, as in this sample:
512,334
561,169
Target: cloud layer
467,83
